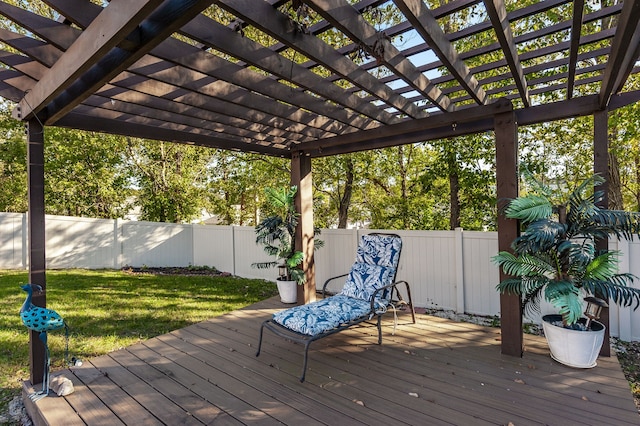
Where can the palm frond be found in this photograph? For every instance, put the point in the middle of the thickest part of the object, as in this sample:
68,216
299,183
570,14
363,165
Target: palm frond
616,288
578,255
569,306
622,224
540,235
295,259
603,267
524,265
510,286
560,288
298,275
584,191
529,208
531,301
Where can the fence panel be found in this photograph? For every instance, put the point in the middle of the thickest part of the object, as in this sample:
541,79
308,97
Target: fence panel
634,268
337,255
74,242
213,246
246,252
156,244
428,265
480,274
13,241
624,321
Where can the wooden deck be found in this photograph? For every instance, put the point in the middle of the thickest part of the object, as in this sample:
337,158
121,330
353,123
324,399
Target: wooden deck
435,372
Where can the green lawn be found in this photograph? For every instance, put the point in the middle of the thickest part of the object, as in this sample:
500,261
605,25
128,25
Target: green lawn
108,310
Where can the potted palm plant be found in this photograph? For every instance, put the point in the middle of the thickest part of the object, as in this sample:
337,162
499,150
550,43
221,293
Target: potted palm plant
555,258
277,235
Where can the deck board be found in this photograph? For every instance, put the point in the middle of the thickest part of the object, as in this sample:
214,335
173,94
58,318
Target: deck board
128,410
435,372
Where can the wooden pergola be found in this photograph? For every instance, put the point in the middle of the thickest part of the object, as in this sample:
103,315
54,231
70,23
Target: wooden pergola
254,76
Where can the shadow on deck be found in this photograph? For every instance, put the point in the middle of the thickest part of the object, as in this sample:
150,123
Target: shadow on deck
430,373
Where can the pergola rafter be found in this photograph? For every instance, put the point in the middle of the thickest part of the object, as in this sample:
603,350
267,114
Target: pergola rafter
426,25
345,18
247,75
576,28
497,12
281,27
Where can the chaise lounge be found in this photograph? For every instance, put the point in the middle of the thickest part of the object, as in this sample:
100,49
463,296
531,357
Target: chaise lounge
369,291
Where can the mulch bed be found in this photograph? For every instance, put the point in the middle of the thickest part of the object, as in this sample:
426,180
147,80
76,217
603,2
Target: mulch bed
178,270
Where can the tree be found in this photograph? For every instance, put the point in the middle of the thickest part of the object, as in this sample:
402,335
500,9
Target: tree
625,154
466,164
85,174
171,179
237,184
393,194
338,181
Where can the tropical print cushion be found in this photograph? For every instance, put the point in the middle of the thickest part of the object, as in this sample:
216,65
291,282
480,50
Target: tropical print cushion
375,267
323,315
363,280
382,250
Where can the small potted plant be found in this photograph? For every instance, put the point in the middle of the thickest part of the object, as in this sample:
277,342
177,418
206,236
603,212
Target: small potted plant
556,258
277,234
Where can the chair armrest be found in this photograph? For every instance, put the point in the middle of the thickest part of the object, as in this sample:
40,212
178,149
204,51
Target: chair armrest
391,286
326,283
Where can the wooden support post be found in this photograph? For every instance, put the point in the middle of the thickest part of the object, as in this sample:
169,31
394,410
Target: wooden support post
301,177
37,263
506,133
601,166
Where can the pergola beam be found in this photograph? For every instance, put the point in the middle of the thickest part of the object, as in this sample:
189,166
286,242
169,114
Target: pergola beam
160,24
497,12
75,120
523,38
115,23
416,129
625,49
144,105
233,83
426,25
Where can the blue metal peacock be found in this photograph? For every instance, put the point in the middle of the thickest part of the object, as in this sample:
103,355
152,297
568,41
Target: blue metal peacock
41,320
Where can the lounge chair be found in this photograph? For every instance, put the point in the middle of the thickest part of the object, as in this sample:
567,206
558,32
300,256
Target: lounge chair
368,292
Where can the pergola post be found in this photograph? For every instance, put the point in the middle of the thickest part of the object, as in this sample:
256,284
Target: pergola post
601,166
506,133
36,235
301,177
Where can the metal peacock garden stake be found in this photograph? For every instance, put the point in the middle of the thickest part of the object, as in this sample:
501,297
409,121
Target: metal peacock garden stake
41,320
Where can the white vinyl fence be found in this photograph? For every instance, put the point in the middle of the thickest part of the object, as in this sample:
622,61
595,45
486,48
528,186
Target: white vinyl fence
446,269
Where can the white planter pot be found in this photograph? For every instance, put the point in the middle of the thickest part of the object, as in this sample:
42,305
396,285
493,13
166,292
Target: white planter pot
288,291
574,348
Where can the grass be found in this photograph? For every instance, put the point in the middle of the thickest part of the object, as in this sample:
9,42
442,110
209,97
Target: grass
107,310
